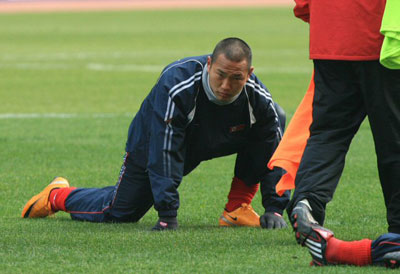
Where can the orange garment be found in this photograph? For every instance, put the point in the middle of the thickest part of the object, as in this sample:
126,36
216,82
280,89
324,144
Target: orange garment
291,148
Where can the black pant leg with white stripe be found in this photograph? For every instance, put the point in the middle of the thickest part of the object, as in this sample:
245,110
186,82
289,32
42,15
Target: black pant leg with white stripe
345,92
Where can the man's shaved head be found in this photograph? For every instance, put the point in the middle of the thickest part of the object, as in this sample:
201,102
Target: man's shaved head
234,49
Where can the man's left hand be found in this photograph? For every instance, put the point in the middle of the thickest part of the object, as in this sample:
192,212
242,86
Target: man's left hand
272,220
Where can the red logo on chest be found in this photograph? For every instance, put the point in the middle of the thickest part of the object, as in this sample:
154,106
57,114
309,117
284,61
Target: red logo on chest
237,128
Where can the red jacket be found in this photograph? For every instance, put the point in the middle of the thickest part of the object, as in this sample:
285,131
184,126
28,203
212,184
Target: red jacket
343,29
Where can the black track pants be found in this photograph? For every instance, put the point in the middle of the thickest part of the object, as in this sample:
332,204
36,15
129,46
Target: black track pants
345,93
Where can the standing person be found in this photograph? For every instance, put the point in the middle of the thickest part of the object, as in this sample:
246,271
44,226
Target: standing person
200,108
348,84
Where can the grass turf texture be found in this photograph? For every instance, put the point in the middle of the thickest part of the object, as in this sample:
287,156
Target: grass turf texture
97,68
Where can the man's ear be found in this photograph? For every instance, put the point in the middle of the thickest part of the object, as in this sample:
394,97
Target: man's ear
250,72
208,63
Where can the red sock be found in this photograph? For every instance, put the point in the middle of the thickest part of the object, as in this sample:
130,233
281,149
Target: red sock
240,193
352,253
58,196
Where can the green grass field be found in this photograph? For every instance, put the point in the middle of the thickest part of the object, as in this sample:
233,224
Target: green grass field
70,84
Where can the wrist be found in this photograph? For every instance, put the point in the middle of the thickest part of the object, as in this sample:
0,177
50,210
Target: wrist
274,210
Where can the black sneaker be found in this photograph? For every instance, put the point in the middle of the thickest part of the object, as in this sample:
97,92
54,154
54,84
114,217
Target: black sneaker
392,259
166,223
309,233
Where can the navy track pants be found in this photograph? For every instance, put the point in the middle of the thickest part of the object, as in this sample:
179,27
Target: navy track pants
127,201
389,242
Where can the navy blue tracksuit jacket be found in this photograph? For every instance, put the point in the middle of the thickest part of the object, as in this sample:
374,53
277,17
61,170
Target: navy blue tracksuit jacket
177,127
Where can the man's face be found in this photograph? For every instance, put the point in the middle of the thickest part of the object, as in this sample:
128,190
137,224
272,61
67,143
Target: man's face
227,78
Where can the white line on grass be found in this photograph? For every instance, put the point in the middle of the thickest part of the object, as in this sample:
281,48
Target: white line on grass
56,56
124,67
83,55
36,66
62,115
139,67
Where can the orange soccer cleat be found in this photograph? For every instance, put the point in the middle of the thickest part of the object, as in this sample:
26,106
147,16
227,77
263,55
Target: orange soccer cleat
242,216
39,205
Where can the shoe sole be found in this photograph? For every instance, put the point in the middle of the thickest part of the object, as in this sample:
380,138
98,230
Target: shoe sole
26,215
225,222
29,205
392,259
392,264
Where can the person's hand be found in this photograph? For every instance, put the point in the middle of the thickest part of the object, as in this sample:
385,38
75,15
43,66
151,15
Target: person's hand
272,220
166,223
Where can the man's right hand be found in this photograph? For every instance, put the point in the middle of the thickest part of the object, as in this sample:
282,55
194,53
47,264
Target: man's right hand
166,223
272,220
